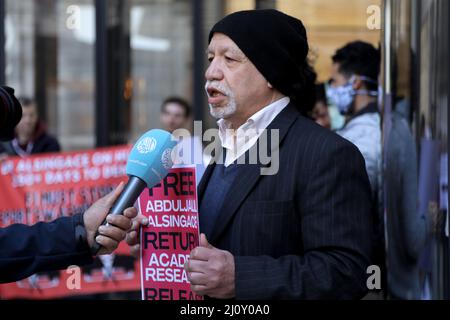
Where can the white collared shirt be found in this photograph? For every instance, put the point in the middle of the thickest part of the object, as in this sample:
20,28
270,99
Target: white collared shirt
237,142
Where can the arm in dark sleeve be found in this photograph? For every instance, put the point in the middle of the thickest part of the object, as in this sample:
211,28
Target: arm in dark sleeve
25,250
2,148
55,146
52,145
336,228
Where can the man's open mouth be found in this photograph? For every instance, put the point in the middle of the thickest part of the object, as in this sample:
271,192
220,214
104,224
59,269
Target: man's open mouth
213,92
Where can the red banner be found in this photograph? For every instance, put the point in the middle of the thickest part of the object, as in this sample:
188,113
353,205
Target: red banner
172,232
46,187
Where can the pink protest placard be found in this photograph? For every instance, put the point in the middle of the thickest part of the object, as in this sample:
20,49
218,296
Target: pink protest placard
172,232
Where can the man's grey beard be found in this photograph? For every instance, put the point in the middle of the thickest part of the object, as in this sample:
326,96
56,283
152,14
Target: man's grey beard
223,112
229,109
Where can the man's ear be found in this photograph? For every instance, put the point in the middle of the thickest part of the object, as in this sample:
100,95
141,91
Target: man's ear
358,83
269,85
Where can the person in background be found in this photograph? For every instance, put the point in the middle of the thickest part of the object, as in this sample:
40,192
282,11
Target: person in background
354,91
336,118
31,135
320,112
175,112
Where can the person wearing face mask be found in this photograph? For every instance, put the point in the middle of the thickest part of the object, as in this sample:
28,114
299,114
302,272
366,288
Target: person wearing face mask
354,90
320,113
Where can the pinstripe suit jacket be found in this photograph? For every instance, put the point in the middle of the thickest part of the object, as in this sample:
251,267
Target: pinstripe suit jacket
303,233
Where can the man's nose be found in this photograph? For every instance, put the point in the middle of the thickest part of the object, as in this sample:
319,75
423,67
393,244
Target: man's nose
214,71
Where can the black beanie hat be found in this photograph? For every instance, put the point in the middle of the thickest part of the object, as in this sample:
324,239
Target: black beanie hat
10,113
274,42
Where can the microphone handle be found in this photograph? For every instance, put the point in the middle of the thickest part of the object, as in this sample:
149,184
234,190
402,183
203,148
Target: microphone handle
126,199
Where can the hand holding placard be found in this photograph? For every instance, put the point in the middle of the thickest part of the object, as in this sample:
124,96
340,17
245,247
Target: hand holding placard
211,271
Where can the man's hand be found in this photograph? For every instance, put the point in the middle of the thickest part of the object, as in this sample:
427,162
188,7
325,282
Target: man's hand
211,271
110,235
132,237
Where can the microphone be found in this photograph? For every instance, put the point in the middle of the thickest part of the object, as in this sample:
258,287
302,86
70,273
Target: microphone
148,163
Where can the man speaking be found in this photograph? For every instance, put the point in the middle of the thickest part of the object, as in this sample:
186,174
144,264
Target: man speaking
304,232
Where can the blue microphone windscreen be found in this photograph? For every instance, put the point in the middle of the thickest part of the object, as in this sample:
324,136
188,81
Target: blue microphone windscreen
150,159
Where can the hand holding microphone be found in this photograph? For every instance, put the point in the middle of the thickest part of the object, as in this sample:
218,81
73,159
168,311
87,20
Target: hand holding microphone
148,163
112,234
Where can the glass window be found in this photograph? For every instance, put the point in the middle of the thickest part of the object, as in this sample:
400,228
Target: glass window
75,97
50,57
19,44
161,58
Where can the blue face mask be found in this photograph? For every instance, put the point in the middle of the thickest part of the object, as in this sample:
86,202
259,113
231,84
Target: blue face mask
342,96
380,96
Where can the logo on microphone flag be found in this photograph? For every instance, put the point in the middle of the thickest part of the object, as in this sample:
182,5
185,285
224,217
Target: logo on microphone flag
166,158
171,207
146,145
